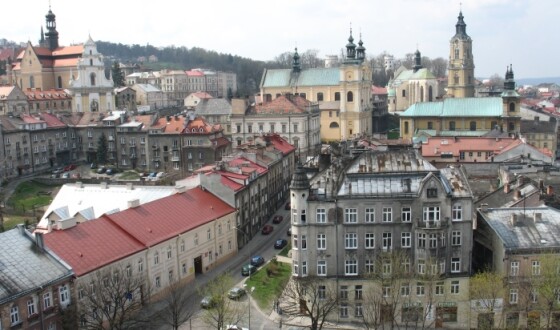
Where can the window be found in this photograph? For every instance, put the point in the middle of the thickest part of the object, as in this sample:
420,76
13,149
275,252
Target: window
31,307
358,311
358,292
350,215
304,268
295,267
140,265
370,240
386,290
514,268
64,295
404,93
351,241
439,288
455,238
405,290
295,244
513,296
337,96
321,241
536,267
47,300
319,97
386,267
369,266
455,265
406,240
321,267
421,267
454,287
431,213
431,192
430,125
420,289
303,242
351,267
421,240
387,241
156,258
14,315
457,212
472,125
322,292
343,292
321,216
349,97
406,214
158,282
370,214
451,125
343,310
387,214
303,216
432,241
169,252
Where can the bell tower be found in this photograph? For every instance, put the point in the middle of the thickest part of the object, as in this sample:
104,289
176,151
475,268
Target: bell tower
461,63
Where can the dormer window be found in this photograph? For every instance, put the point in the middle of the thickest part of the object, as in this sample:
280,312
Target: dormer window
431,192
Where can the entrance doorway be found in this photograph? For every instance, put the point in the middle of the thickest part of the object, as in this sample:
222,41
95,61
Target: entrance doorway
198,265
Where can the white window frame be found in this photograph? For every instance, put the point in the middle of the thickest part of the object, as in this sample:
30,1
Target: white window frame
454,287
455,265
321,242
431,213
369,215
387,240
350,215
14,315
321,268
406,239
387,214
457,212
369,240
350,267
456,238
514,268
513,296
406,214
536,267
351,241
321,215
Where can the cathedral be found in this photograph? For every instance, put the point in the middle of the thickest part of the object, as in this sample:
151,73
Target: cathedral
78,69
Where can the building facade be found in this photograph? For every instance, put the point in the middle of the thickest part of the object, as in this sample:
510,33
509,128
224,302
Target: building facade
461,78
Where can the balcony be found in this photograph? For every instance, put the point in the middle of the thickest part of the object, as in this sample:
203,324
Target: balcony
431,224
175,158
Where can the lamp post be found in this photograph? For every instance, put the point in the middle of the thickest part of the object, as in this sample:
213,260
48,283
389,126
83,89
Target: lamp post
249,292
248,248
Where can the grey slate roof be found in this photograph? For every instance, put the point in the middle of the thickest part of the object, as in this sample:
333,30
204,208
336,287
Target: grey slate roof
527,234
213,107
23,268
307,77
534,126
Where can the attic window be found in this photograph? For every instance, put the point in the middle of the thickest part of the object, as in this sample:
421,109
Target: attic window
194,130
431,192
201,130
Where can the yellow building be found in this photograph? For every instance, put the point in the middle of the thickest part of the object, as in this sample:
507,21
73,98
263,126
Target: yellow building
344,90
465,116
461,63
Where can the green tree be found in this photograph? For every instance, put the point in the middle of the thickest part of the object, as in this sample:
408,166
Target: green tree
486,293
223,311
118,77
176,309
102,149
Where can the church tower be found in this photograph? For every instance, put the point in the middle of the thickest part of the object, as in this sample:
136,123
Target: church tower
461,64
511,103
52,35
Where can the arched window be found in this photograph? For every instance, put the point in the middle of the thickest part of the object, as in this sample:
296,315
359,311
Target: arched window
456,52
334,124
90,62
94,106
421,93
430,94
319,97
59,82
349,97
92,79
473,126
267,97
511,107
456,78
405,127
90,52
451,125
337,96
31,82
404,93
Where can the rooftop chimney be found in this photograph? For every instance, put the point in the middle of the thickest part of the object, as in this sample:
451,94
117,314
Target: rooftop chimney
133,203
506,188
513,219
517,195
180,189
537,217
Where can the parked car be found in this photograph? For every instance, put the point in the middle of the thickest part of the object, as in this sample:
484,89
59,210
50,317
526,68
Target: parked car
66,175
58,170
248,269
208,302
279,244
287,206
70,167
235,327
267,229
257,261
101,170
277,219
76,176
236,293
111,171
93,166
289,232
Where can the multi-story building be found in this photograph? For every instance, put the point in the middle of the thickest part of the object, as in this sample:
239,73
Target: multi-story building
521,245
12,99
53,100
541,134
460,83
215,111
174,84
147,94
294,118
353,224
348,84
125,98
35,286
197,81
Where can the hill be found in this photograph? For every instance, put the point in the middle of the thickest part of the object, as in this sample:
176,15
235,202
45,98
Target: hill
536,81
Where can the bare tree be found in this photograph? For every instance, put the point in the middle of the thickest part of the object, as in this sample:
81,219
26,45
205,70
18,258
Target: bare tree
486,293
223,311
311,297
176,308
112,299
310,59
547,288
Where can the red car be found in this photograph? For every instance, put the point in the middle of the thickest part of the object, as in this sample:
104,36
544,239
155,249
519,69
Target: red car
70,168
277,219
287,206
267,229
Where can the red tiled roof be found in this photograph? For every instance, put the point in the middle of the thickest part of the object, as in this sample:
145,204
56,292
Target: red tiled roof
194,73
63,62
6,53
175,125
378,90
30,119
92,245
52,120
197,124
281,144
68,50
221,141
246,164
51,94
235,186
282,105
233,175
202,95
435,146
154,222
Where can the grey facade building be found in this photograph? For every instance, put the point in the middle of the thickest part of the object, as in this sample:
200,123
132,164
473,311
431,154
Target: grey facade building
378,205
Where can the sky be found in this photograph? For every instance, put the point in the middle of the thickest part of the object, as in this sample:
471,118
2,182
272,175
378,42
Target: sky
518,32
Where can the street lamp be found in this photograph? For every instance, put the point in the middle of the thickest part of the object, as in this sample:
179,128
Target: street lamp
248,248
249,292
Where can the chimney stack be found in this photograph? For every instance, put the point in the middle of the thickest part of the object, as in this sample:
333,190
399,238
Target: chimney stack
517,195
537,217
513,220
506,188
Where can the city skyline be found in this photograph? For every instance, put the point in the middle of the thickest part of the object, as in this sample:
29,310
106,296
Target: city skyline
503,31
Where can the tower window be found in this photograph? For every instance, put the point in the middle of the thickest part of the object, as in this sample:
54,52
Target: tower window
92,79
337,96
90,62
512,107
473,126
319,97
404,93
405,127
456,79
349,97
456,53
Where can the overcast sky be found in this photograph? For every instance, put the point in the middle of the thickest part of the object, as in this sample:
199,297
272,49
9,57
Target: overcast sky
521,32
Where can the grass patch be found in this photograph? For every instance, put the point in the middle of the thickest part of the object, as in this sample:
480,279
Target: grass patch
30,194
10,221
286,249
269,282
129,175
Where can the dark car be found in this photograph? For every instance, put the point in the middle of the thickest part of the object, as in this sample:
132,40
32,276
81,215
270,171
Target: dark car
257,261
277,219
93,166
208,302
111,171
279,244
287,206
236,293
248,269
289,232
101,170
267,229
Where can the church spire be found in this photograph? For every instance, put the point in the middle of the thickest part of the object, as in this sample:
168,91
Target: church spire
417,61
350,47
461,26
361,50
296,67
509,83
52,34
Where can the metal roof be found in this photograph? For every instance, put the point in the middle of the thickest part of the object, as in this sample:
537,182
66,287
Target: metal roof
23,268
213,107
458,107
307,77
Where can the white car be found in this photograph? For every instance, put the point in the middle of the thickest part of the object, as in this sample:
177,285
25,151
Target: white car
235,327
